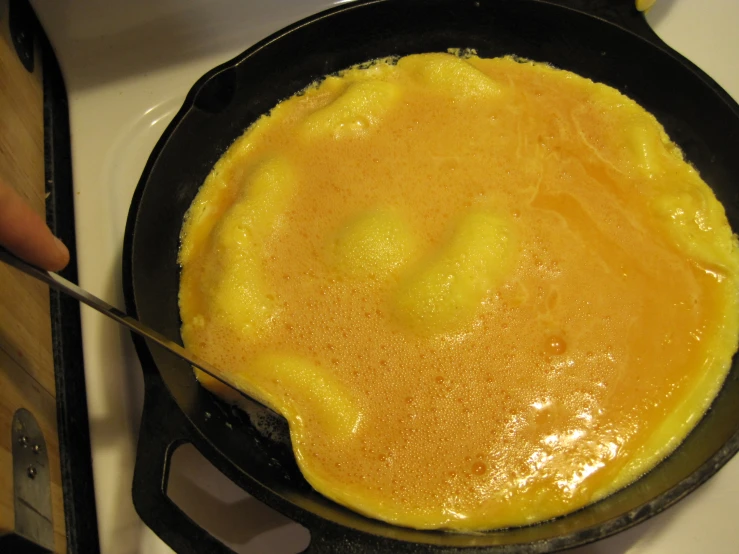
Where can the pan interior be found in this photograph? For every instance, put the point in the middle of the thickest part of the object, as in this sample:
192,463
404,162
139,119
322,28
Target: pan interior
227,101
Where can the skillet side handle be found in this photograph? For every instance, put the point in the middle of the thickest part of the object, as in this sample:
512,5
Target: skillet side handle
163,428
622,13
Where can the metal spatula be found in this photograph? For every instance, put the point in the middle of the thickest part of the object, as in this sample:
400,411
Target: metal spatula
67,287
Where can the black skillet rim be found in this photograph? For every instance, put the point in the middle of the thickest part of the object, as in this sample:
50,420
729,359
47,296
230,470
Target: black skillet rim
620,17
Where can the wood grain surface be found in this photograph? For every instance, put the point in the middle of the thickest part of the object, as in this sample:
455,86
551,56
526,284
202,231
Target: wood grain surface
26,362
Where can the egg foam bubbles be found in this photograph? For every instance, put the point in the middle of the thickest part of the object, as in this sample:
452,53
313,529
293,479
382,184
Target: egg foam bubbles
483,292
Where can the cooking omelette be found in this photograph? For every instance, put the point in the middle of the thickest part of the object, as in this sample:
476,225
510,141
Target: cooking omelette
483,292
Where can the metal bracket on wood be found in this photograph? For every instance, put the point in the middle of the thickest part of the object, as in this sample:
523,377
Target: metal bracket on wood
23,25
34,531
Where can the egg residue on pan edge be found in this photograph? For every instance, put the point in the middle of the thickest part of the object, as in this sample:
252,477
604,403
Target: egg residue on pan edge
483,292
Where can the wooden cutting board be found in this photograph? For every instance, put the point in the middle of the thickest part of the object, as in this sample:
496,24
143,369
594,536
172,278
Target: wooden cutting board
26,361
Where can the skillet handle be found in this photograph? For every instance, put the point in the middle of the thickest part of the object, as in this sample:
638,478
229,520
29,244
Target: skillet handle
163,427
622,13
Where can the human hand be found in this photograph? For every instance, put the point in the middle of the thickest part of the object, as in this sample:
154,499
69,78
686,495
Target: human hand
25,234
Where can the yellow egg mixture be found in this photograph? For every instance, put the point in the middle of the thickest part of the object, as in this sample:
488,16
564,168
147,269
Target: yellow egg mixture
483,292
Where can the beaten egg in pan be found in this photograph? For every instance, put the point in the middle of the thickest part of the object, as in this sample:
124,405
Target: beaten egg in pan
483,292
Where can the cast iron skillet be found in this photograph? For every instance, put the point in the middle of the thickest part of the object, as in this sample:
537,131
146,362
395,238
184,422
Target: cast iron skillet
605,40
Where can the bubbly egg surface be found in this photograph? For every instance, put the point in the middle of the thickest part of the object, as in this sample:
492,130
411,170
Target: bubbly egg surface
483,292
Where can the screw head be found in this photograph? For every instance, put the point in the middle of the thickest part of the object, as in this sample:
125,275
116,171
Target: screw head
32,472
24,441
36,448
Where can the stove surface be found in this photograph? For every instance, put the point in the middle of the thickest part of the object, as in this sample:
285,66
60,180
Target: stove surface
128,66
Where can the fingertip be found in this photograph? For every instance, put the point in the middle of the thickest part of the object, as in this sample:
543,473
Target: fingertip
62,257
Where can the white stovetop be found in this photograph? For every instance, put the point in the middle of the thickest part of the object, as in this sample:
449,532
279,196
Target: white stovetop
128,66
